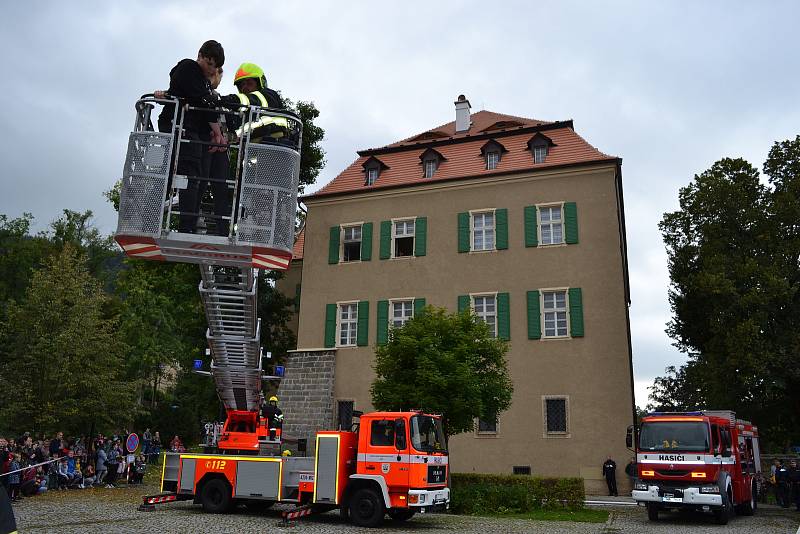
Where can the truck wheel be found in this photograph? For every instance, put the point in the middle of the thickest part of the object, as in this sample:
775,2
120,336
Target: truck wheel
749,507
216,496
366,508
652,512
723,514
401,514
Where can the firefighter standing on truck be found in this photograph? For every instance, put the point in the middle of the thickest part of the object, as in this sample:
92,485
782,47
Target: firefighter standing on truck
273,415
251,82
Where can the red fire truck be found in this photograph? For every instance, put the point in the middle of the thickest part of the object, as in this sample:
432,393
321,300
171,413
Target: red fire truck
391,462
706,461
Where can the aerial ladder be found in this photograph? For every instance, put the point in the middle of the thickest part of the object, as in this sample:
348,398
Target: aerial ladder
261,224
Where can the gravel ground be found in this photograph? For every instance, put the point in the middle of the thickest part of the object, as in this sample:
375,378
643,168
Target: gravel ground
114,510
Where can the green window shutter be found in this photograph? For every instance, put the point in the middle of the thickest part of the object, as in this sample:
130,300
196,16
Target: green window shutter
531,230
330,325
333,245
366,241
297,297
501,228
386,240
575,312
362,335
503,316
534,316
570,223
463,232
383,322
419,305
420,236
463,303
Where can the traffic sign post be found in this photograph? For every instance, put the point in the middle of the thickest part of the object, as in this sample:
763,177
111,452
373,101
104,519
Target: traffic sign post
132,443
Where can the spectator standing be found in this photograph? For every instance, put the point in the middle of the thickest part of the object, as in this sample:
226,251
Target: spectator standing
610,474
146,439
14,478
55,444
630,469
100,466
155,448
794,481
782,481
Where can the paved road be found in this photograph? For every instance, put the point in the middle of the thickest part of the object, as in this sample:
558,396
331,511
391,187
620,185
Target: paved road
102,510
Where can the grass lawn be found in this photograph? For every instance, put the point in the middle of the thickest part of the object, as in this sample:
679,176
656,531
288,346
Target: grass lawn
583,515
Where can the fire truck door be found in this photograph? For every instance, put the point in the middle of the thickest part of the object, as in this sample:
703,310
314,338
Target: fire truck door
383,458
401,476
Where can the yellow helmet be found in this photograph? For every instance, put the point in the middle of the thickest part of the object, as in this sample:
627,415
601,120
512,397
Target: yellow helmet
273,398
250,70
287,452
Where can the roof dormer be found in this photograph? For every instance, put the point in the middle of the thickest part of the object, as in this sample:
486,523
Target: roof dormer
372,170
502,125
430,160
491,152
539,145
428,136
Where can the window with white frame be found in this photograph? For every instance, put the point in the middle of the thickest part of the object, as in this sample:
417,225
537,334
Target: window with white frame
430,168
554,313
485,307
551,225
483,230
372,175
492,158
556,415
403,238
539,153
348,324
351,243
402,311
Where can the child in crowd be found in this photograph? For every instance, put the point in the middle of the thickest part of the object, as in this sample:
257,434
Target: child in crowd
14,478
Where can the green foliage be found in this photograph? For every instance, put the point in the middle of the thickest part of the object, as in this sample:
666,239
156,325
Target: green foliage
312,156
61,358
443,363
20,254
733,249
486,494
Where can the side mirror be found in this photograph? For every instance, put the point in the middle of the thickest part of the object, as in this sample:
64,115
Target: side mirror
629,438
400,434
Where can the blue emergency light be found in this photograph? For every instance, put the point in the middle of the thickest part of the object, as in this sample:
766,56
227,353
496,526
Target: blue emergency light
198,364
279,370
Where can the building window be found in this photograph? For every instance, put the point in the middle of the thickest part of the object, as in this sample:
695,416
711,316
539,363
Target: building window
351,243
556,416
487,424
372,175
430,168
348,324
554,307
539,153
551,225
403,238
344,414
492,158
402,311
483,231
485,307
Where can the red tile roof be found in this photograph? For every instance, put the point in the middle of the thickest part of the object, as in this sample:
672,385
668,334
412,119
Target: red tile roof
299,244
462,153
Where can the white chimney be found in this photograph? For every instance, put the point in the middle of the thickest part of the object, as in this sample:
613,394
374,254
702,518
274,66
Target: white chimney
462,114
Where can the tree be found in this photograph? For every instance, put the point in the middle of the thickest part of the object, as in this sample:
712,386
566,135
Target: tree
20,255
733,264
443,363
62,359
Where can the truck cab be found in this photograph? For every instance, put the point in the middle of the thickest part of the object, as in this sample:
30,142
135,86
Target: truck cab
706,461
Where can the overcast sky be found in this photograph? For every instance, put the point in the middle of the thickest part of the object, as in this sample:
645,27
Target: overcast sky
668,86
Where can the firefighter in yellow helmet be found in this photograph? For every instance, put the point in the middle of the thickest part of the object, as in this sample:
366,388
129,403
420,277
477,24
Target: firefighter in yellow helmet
273,415
251,82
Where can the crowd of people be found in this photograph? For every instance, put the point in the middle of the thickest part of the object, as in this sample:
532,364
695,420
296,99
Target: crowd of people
784,479
31,466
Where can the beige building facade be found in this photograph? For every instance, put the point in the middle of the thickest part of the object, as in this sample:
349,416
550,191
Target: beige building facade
532,239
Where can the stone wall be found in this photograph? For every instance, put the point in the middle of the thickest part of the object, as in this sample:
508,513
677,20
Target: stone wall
306,394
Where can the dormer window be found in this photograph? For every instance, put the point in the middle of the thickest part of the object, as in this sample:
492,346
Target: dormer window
492,151
430,160
372,170
539,145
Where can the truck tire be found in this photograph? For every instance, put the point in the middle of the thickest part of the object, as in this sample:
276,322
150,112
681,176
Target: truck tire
723,514
749,507
366,508
216,496
401,514
652,512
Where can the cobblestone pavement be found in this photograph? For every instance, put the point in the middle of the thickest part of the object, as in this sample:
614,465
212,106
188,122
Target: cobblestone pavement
114,510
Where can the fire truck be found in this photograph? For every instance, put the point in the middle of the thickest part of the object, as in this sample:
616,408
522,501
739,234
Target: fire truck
391,463
388,462
705,460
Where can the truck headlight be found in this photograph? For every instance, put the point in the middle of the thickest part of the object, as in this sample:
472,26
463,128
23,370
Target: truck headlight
641,486
709,489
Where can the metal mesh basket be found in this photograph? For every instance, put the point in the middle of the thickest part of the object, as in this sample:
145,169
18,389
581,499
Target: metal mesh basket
144,183
268,196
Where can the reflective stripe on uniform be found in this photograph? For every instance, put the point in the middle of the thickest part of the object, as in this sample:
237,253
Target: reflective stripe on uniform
261,98
243,99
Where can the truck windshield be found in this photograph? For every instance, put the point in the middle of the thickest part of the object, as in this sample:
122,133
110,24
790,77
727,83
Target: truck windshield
427,434
674,436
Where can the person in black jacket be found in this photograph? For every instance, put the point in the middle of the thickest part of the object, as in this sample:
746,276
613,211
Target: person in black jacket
610,473
784,485
189,81
794,482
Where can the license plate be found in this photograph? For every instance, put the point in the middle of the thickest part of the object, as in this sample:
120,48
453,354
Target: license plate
670,498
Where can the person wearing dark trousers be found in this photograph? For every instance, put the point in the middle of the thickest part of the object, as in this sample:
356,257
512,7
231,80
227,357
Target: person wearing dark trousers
8,524
610,474
794,482
782,481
